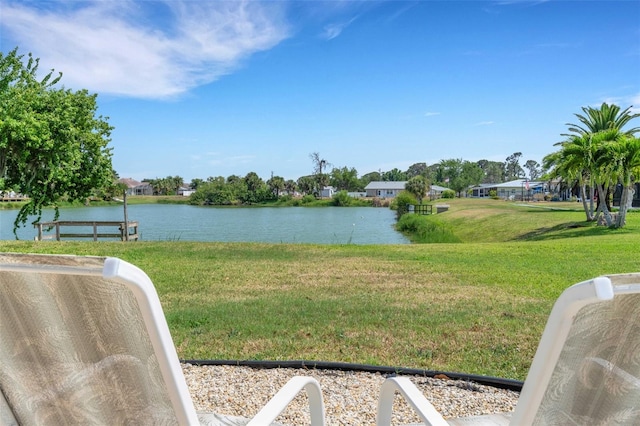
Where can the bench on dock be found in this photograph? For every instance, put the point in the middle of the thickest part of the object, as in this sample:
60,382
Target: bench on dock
127,231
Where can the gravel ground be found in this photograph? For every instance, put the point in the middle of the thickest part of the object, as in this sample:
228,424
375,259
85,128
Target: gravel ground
350,397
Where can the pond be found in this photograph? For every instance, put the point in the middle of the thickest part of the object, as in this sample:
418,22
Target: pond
171,222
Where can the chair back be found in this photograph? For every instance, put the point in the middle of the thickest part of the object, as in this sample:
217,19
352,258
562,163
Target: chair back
587,368
84,341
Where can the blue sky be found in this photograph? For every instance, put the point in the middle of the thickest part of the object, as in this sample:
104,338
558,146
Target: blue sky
201,88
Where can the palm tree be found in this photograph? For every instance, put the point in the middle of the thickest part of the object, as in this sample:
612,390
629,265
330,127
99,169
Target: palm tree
605,118
623,156
417,186
582,159
574,162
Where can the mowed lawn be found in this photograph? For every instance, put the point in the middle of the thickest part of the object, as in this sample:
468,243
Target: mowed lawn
475,307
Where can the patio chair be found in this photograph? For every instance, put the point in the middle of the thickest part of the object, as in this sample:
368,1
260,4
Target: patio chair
85,341
586,369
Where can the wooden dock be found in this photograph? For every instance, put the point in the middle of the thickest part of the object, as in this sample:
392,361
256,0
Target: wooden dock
423,209
127,231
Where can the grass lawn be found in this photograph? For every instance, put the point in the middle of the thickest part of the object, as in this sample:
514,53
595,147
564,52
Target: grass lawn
475,307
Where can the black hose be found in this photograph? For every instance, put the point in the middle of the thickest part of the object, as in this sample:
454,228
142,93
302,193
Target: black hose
496,382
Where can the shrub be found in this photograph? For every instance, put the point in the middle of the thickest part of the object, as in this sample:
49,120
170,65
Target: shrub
448,193
341,199
426,229
402,201
308,199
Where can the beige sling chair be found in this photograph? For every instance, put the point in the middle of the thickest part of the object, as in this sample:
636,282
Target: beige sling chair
84,341
586,370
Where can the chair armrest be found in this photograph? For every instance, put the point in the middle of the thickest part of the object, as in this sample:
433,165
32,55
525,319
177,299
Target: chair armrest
280,400
412,395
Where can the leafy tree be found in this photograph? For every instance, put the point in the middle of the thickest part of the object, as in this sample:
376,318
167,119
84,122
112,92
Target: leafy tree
52,144
370,177
307,184
256,188
512,167
394,175
345,179
417,186
195,183
534,169
276,185
290,186
417,169
436,171
461,174
493,171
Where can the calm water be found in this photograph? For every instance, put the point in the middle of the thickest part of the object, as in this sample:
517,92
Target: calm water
158,222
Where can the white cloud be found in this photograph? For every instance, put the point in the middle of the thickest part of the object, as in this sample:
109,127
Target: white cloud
431,114
484,123
153,49
623,102
332,31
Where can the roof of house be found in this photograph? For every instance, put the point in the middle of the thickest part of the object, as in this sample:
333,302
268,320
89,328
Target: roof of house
511,184
131,183
386,185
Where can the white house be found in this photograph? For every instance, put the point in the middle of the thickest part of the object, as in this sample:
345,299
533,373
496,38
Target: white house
134,187
518,189
435,191
327,192
384,189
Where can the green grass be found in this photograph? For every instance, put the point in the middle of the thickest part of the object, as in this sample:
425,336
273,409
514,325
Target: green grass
476,306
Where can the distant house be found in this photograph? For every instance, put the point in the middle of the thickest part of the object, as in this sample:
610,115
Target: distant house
327,192
145,188
185,192
384,189
435,191
131,185
519,189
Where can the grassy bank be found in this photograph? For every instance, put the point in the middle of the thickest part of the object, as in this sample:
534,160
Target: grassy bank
474,307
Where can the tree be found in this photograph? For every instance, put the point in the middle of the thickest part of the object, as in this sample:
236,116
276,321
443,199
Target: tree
321,179
417,169
394,175
493,171
534,169
290,186
256,188
52,144
622,155
417,186
345,179
195,183
591,156
370,177
276,185
461,174
603,118
575,163
306,184
512,167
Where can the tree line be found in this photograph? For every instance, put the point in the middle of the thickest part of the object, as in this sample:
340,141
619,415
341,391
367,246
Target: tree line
54,146
456,174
